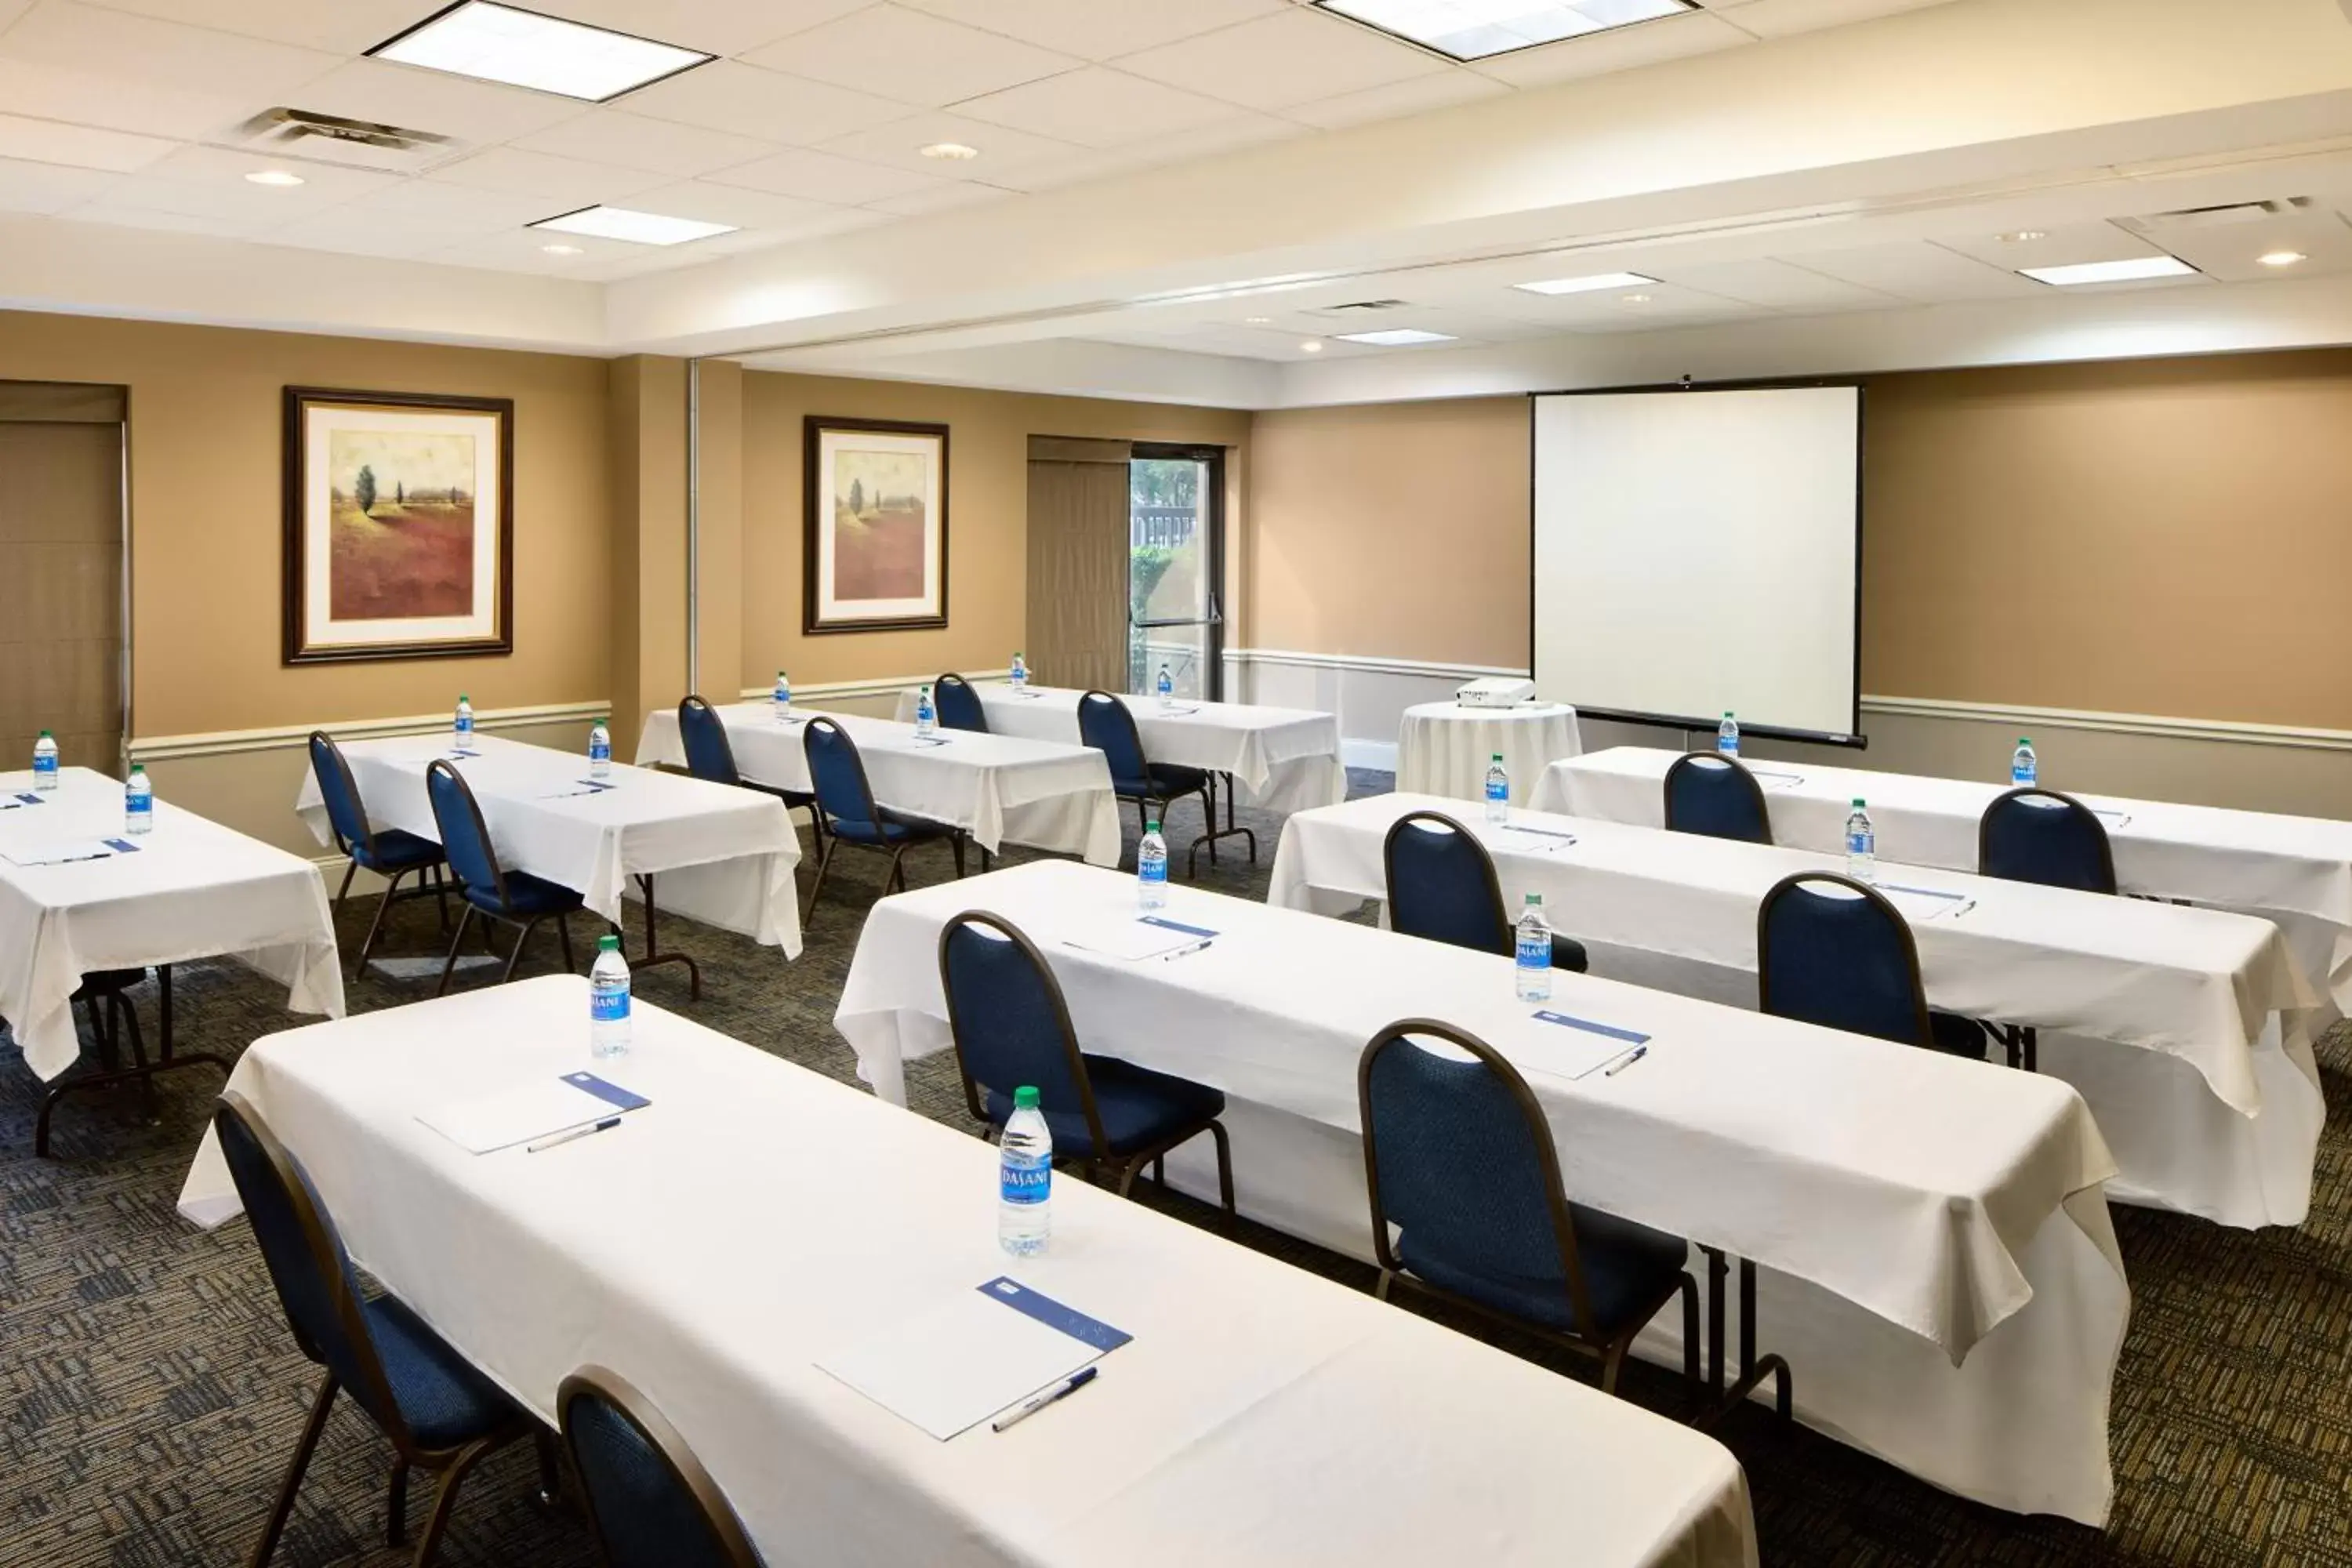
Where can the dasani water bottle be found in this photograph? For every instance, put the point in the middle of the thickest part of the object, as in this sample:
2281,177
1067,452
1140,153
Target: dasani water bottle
1151,869
1861,844
1020,671
608,1001
926,716
2024,767
783,698
462,728
1166,687
600,750
1025,1178
45,761
138,802
1534,952
1498,790
1727,735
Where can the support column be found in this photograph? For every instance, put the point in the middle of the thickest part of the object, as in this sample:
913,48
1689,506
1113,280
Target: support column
647,427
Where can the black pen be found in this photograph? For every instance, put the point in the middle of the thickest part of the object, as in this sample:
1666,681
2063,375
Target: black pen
563,1138
1020,1413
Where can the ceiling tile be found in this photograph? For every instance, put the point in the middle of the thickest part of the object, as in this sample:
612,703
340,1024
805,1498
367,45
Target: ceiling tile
459,209
748,101
1003,152
707,203
49,187
1777,285
563,184
49,141
1417,95
414,100
86,98
342,27
1296,56
1779,19
127,48
218,226
1101,29
361,228
1618,48
1916,270
906,55
2056,244
1097,108
944,198
822,177
636,141
719,27
2232,252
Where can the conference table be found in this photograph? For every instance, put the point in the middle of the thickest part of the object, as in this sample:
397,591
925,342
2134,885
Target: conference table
1933,1250
724,856
999,789
2187,1030
2295,871
756,1218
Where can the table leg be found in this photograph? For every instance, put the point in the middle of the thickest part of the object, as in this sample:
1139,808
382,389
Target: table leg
1753,1370
143,1073
1230,830
653,954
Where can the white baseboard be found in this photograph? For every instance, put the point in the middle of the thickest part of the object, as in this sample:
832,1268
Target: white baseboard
1380,756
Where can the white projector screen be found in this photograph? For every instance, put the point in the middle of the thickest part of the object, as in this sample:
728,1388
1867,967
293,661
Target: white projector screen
1697,551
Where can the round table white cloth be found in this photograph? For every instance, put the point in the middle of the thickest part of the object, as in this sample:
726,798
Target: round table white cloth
1443,747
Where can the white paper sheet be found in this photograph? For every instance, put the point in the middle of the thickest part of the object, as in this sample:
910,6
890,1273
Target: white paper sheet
1137,940
512,1116
1926,903
1568,1045
60,853
952,1367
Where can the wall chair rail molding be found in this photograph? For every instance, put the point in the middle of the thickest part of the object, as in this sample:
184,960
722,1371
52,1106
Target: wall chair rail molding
293,737
1373,664
2144,724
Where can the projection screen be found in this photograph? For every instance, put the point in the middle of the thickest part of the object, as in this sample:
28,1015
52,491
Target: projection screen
1701,550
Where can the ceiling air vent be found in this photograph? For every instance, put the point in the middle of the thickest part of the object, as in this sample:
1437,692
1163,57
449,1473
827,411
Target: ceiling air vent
2215,217
354,143
1360,308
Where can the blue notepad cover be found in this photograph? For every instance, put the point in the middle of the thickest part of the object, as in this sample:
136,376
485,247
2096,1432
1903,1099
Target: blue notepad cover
611,1093
1054,1315
1177,925
1589,1027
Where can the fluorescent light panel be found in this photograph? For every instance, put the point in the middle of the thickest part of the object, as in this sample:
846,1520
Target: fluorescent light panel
2139,269
1593,284
1398,338
636,228
1474,29
522,48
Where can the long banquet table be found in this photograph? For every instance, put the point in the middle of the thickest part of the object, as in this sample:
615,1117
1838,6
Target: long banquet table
757,1216
2187,1030
1934,1246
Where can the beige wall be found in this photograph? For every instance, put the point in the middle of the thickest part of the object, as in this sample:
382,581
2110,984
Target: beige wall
988,479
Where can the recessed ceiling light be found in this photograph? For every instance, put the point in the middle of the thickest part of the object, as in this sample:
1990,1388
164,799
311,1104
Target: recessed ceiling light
2139,269
1474,29
2025,236
562,250
1310,347
1259,321
636,228
953,152
1398,338
522,48
2282,257
1635,300
1585,285
282,178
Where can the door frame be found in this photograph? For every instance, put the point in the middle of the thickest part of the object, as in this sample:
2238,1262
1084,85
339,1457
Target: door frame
1212,678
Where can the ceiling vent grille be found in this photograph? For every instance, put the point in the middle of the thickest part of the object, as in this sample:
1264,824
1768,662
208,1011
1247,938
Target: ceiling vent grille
1360,308
2235,213
354,143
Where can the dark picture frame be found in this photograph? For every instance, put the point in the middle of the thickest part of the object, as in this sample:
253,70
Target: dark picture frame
823,496
312,633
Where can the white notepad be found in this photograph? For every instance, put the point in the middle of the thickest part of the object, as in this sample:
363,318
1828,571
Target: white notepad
1140,938
546,1105
62,852
982,1351
1926,903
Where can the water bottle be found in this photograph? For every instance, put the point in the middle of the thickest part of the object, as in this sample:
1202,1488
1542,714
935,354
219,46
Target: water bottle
1727,736
608,1001
783,699
1861,844
1534,950
138,802
1020,671
926,716
1166,687
462,740
1151,869
600,751
1025,1178
1499,791
45,761
2024,767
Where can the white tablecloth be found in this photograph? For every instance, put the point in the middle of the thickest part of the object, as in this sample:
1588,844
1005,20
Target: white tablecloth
1936,1259
1444,748
2185,1028
193,890
724,856
2293,870
758,1217
1286,759
999,788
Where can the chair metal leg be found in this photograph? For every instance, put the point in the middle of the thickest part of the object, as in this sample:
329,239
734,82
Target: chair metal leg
816,886
449,965
395,1508
516,956
436,1523
1612,1360
956,845
140,1067
563,931
1693,1373
1224,1171
896,882
441,892
551,1467
344,891
375,925
300,1462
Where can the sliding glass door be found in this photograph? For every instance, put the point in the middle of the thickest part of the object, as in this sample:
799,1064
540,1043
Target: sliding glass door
1175,568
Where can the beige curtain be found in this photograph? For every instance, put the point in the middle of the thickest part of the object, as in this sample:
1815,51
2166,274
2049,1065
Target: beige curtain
60,583
1077,561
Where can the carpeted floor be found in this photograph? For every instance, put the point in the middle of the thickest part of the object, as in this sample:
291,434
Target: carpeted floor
150,1394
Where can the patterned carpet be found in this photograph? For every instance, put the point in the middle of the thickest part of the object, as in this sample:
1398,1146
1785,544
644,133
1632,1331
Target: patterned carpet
150,1394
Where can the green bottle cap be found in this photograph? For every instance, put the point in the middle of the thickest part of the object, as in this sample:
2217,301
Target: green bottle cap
138,768
1024,1098
46,736
1857,801
608,943
1534,901
1152,826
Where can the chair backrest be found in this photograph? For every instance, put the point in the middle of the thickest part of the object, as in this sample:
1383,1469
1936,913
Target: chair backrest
1009,1022
465,837
1442,884
708,754
1106,724
837,773
1711,794
959,705
1458,1155
2041,836
341,794
1832,952
316,1286
649,1499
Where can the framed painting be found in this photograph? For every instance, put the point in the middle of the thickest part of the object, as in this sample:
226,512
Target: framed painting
876,537
399,525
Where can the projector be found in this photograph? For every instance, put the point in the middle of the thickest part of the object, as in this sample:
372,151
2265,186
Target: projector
1496,691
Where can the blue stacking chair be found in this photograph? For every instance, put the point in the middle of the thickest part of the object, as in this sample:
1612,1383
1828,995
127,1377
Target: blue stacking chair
649,1499
845,800
440,1414
959,704
513,898
1834,951
1442,886
1012,1029
2041,836
710,756
390,854
1459,1158
1106,724
1711,794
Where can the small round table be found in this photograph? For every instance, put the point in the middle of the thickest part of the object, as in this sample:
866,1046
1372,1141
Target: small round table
1443,747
